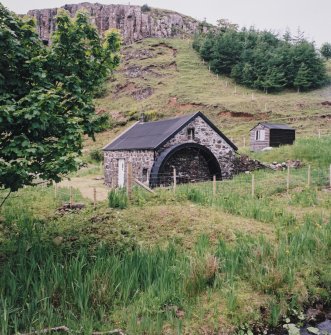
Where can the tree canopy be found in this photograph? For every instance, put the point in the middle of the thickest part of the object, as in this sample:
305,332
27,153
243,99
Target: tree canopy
46,95
262,60
326,50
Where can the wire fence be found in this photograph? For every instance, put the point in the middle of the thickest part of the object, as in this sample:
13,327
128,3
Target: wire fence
259,183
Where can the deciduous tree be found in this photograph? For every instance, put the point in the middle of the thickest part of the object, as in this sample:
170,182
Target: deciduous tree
46,95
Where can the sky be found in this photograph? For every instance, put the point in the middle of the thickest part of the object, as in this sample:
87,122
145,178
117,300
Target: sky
313,17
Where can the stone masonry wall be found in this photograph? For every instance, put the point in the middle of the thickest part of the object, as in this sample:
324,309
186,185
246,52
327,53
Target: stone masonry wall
190,165
207,137
141,159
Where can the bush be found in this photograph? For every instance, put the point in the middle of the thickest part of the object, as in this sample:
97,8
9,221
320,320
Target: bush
96,155
145,8
118,198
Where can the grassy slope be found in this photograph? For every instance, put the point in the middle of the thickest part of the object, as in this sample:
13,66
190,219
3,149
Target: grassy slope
209,282
233,259
182,84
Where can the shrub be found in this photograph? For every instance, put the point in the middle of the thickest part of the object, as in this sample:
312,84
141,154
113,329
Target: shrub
145,8
96,155
118,198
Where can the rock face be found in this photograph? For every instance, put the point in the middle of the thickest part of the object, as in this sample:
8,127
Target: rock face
133,22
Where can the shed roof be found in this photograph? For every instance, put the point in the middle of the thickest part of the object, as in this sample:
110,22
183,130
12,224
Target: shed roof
151,135
274,126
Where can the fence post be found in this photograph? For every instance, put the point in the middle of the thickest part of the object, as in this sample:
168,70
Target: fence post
71,198
253,185
288,180
309,176
175,180
55,190
129,180
319,133
214,185
330,176
94,197
244,139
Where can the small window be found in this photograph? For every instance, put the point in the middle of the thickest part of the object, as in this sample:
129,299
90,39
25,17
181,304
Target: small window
260,135
144,176
190,133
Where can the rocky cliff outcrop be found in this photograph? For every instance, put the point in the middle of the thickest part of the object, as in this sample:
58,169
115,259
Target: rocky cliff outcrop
134,22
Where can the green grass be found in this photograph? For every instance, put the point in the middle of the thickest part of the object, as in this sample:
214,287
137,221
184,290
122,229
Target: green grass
314,151
184,262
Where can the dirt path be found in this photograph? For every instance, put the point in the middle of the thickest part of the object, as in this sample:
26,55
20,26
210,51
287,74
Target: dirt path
86,185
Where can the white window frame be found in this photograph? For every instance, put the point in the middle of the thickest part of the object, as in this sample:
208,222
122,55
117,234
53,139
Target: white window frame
191,133
260,135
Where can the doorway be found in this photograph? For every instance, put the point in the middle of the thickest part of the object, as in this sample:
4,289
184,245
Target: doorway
121,167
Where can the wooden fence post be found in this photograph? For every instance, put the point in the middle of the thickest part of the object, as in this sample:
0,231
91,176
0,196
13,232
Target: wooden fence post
94,197
253,185
129,180
175,180
309,175
71,198
288,180
214,185
244,139
319,133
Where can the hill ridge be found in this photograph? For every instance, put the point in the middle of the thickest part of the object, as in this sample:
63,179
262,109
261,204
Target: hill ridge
134,22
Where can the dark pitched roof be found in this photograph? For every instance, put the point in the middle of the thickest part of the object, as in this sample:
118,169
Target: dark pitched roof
274,126
151,135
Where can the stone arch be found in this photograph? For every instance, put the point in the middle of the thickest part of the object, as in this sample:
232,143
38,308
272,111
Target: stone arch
193,162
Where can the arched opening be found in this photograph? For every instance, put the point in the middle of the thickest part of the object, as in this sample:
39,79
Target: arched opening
193,163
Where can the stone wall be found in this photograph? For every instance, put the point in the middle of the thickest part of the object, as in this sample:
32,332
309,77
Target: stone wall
132,21
259,145
207,137
190,166
141,159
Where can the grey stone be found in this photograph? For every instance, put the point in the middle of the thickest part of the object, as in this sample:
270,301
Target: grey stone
133,23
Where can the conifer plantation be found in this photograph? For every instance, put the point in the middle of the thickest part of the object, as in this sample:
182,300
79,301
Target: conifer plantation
261,60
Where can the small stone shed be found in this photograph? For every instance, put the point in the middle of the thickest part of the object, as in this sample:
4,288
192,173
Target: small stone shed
265,135
191,144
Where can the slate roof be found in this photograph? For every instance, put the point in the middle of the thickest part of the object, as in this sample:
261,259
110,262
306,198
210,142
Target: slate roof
151,135
274,126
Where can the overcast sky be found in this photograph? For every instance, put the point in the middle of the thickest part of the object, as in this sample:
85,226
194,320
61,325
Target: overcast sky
312,16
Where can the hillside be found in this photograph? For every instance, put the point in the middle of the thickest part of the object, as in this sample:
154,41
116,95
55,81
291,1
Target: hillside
165,77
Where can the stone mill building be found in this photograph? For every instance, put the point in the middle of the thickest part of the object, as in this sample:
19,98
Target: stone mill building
191,144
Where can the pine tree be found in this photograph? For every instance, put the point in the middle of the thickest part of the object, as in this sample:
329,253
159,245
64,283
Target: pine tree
302,80
326,50
274,80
